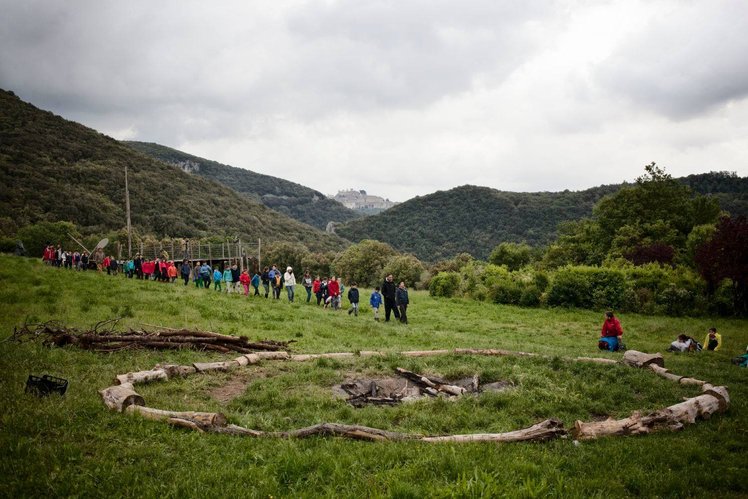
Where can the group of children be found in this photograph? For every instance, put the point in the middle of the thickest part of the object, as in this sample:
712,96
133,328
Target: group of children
611,338
229,279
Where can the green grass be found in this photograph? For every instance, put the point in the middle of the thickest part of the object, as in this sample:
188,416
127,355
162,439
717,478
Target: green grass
73,446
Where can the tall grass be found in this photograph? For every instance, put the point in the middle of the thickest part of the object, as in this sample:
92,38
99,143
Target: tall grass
72,445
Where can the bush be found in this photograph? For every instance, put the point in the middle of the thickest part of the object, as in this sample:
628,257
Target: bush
506,292
363,262
405,268
588,287
444,284
513,255
35,237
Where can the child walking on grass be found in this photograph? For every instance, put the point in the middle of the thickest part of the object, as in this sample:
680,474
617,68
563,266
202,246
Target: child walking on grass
217,278
228,279
375,301
353,298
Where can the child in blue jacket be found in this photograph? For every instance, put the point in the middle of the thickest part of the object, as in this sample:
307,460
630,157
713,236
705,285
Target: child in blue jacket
375,301
217,278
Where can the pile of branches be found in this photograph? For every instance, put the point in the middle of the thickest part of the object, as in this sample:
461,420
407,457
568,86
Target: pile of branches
103,338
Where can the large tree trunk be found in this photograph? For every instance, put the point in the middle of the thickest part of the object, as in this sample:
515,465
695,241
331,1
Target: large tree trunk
429,383
202,418
545,430
142,376
120,397
215,366
713,400
641,359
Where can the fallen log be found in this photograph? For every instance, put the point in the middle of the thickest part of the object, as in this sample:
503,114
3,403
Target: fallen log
186,423
343,430
492,352
142,376
120,397
425,353
713,400
641,359
661,371
545,430
313,356
280,355
202,367
428,383
202,418
173,371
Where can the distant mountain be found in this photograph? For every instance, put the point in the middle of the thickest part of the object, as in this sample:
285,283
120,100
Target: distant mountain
292,199
53,169
475,219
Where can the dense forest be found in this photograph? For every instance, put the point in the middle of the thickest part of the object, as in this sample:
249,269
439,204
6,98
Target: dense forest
292,199
471,219
52,169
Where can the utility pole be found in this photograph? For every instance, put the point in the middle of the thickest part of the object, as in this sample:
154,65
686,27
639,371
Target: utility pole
127,208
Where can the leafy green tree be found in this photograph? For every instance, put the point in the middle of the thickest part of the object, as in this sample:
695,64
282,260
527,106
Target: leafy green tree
36,236
579,243
656,200
286,255
318,264
363,262
445,284
406,268
513,255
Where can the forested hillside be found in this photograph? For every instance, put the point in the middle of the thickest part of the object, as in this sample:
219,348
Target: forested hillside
475,219
292,199
52,169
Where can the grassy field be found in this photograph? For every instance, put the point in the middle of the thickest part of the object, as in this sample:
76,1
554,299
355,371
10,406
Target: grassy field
73,446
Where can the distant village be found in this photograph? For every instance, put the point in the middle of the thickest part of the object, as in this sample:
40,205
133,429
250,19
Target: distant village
359,200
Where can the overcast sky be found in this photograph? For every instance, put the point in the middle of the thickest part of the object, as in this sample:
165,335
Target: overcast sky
400,97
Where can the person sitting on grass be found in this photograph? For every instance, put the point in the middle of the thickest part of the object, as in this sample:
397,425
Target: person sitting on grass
713,340
684,343
611,334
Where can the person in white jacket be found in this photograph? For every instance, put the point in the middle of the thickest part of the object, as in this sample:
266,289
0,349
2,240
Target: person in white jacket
290,281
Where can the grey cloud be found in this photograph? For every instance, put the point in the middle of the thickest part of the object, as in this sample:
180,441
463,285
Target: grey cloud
406,54
689,61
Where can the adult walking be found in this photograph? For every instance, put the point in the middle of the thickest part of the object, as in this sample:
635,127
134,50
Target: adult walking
389,289
401,297
290,281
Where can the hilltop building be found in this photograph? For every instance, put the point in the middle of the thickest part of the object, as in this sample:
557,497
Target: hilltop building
359,200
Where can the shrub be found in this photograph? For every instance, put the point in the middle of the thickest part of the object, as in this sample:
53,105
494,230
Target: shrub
405,268
507,292
444,284
588,287
363,262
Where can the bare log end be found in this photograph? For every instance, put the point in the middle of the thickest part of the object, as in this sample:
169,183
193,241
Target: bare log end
641,359
120,397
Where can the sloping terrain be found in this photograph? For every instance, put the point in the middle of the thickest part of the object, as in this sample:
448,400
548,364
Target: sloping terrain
292,199
475,219
52,169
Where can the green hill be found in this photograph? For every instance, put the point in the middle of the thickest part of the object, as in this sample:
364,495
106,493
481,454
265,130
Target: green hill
292,199
53,169
475,219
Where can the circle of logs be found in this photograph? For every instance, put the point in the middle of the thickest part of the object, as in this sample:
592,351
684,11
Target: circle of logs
121,397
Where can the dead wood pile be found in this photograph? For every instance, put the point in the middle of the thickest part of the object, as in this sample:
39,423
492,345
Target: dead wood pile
103,338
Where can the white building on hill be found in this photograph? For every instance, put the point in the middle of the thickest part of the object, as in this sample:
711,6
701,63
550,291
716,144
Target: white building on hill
359,200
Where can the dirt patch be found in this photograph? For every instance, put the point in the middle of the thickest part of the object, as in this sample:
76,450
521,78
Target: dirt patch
235,387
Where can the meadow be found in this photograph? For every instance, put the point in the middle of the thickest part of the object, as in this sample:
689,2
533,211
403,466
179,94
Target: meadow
74,446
